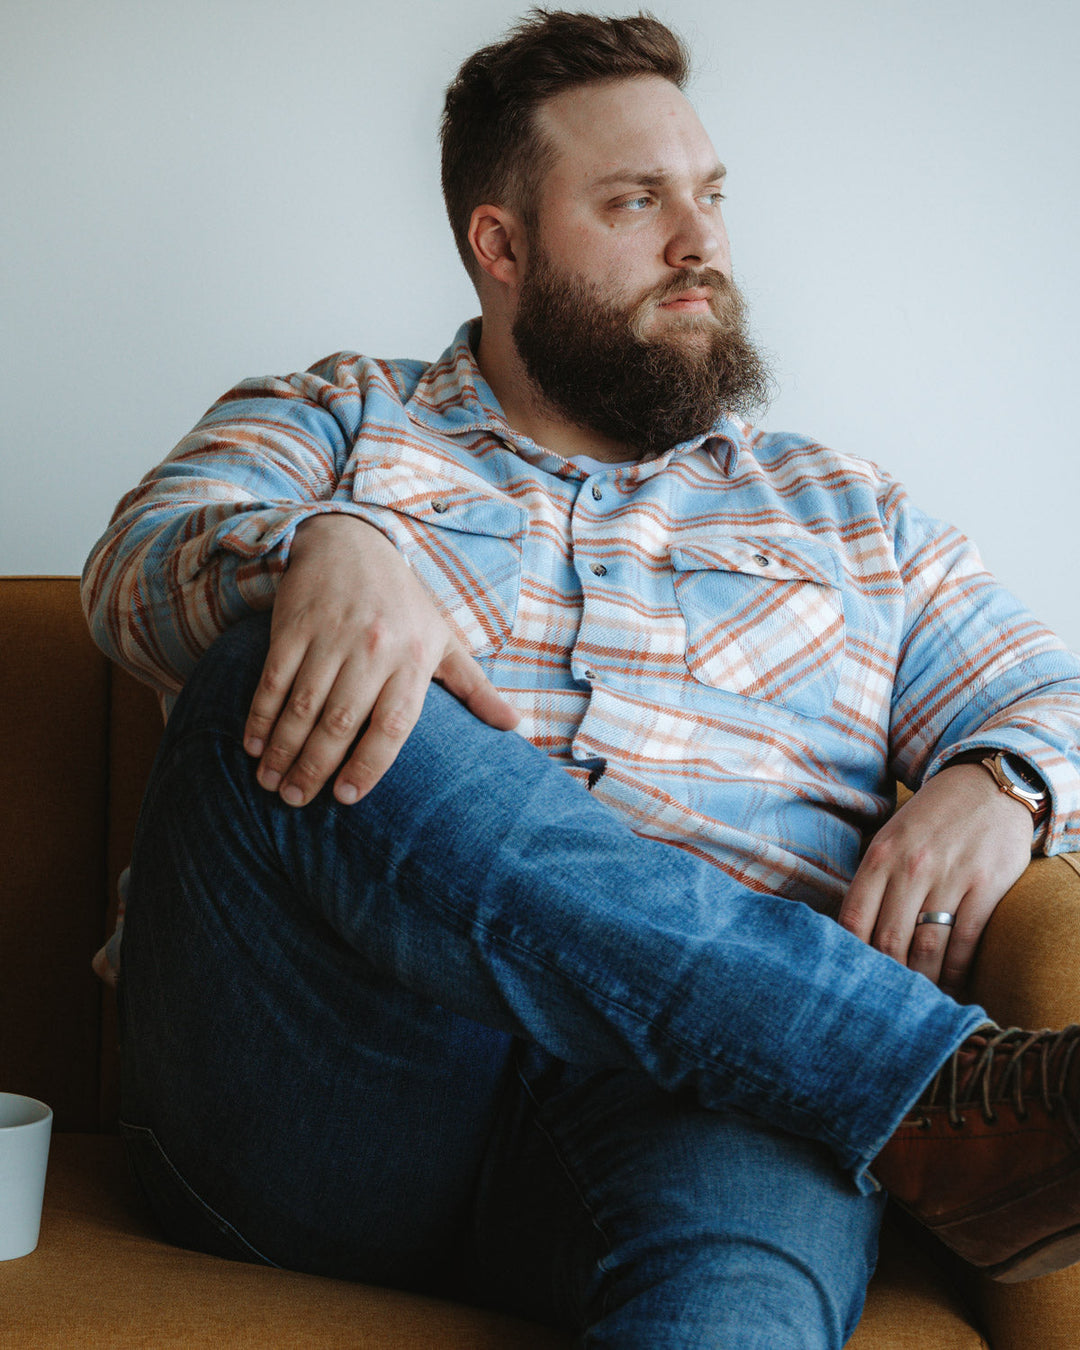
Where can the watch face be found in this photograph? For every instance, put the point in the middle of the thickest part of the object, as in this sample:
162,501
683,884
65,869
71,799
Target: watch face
1021,777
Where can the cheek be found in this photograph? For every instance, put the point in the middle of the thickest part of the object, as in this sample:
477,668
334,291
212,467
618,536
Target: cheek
723,253
619,263
623,263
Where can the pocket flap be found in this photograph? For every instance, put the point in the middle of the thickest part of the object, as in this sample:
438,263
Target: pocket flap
771,557
464,503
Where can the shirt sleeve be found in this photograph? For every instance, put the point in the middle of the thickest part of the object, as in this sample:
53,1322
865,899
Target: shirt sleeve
204,538
977,670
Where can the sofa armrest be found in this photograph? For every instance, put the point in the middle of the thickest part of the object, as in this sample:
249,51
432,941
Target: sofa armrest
1028,968
1028,974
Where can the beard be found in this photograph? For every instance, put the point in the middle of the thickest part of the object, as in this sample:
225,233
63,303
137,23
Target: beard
588,357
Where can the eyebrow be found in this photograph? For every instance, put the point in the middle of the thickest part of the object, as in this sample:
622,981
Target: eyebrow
653,177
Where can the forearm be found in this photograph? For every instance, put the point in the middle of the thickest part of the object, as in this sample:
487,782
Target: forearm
205,537
169,576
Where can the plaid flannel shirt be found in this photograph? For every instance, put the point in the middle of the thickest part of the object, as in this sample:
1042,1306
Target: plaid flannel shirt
739,645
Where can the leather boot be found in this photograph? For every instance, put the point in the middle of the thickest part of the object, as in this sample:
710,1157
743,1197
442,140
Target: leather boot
989,1157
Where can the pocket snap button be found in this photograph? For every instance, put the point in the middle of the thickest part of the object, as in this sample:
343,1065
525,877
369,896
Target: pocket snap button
598,569
761,560
440,506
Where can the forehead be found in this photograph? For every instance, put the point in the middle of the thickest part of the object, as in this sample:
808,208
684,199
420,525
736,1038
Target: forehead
644,126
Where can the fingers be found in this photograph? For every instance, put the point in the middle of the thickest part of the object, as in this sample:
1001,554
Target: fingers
355,642
944,953
927,943
883,910
464,678
310,728
960,948
332,697
393,717
895,883
890,923
312,702
279,672
862,904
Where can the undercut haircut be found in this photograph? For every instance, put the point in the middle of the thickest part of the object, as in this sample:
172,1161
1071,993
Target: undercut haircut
492,148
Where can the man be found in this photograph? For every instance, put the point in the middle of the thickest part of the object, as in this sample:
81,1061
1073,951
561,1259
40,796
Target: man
539,1019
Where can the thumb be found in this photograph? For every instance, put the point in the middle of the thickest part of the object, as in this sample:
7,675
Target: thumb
463,677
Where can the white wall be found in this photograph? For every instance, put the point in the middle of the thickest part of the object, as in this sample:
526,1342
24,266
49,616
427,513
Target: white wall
197,192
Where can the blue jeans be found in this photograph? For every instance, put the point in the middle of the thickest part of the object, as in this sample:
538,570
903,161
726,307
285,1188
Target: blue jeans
474,1036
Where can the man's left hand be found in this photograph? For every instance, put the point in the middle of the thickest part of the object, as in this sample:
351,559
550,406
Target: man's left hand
956,847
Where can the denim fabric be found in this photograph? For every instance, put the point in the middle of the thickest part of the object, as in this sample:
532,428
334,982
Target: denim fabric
658,1223
347,1030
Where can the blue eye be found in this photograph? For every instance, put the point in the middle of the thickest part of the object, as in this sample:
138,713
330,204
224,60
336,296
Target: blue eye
635,203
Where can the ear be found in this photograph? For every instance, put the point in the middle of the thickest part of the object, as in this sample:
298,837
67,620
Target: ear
497,241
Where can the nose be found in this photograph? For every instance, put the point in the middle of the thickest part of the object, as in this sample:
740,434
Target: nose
697,239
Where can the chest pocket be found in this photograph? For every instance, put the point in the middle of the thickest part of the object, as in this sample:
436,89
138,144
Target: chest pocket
461,538
764,618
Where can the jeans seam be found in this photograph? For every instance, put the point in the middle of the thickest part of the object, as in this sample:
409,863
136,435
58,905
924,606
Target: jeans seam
223,1225
604,1261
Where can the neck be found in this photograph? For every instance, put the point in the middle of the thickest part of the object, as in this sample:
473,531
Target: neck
527,410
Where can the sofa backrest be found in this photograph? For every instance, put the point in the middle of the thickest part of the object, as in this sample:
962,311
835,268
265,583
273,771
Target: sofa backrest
77,737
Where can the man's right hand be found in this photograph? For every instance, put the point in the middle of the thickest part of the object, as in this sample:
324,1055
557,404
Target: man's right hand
354,638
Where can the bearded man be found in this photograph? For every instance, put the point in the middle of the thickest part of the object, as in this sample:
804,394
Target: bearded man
563,1021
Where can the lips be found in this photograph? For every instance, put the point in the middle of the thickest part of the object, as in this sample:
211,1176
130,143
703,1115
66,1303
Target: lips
692,296
693,300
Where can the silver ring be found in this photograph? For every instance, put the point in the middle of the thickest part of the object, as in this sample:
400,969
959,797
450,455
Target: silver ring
936,916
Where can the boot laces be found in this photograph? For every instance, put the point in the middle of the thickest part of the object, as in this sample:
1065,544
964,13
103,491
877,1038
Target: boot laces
999,1071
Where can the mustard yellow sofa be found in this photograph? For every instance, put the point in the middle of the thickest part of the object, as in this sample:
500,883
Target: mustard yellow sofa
76,740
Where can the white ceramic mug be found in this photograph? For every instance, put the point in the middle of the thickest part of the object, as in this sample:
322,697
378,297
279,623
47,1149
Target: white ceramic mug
25,1129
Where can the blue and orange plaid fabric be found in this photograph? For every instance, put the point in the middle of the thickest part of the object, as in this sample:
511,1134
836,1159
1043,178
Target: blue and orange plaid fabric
740,645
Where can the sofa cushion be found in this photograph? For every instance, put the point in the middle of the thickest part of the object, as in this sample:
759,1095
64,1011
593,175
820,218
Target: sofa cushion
102,1276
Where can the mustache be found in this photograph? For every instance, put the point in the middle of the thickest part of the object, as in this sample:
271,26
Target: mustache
690,281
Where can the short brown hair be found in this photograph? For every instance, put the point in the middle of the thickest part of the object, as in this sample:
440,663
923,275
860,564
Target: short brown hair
492,149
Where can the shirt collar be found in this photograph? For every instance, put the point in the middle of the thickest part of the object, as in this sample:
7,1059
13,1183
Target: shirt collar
453,398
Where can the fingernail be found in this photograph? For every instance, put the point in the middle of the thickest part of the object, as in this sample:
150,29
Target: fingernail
292,795
270,779
254,746
347,793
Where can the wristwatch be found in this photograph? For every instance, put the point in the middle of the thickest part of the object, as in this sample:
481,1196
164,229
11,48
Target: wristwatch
1016,779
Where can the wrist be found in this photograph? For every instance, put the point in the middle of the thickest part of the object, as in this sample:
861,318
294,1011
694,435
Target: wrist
328,524
1013,777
